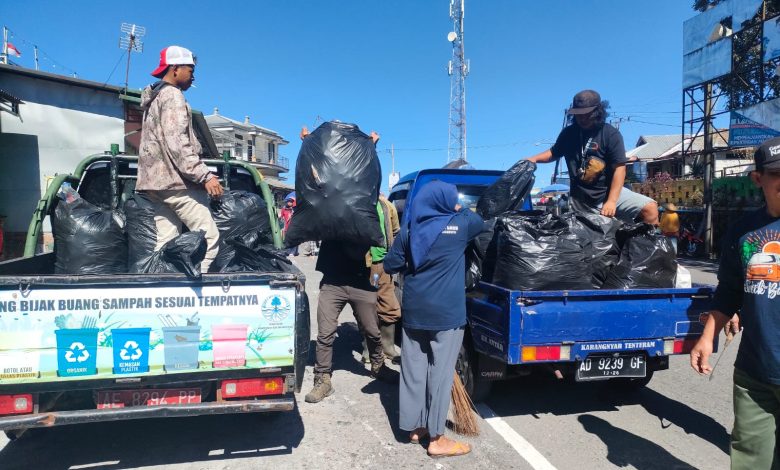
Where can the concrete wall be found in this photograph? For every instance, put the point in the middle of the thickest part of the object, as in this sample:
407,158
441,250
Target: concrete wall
59,125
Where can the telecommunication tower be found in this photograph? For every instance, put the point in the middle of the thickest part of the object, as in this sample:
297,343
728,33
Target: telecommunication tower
458,69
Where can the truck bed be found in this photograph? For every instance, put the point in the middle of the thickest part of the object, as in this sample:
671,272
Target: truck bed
502,321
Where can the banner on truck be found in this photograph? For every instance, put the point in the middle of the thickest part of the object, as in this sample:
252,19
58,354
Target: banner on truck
63,334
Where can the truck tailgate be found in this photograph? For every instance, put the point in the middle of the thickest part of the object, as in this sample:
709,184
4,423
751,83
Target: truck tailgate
503,321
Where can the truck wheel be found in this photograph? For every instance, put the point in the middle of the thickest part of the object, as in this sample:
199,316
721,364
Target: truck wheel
467,368
632,384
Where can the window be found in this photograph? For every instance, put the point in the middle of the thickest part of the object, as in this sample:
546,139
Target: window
250,154
238,151
271,152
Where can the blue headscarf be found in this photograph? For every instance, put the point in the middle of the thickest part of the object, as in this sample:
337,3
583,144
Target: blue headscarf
432,209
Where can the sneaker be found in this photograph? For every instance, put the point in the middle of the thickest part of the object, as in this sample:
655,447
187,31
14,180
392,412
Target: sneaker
322,388
385,374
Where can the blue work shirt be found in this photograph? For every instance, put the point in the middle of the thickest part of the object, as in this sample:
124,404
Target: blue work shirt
434,295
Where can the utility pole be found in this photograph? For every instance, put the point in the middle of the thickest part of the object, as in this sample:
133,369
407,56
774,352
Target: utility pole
35,52
708,169
394,177
458,69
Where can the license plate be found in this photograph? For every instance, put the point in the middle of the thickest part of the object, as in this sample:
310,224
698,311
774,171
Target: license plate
604,366
147,397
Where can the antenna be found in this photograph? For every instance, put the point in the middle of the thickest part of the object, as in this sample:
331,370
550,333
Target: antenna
132,42
457,68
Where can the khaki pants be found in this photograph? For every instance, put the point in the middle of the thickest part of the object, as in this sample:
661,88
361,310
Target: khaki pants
332,301
191,207
387,308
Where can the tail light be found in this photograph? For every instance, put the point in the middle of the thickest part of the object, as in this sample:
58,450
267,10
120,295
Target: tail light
543,353
252,387
684,345
16,404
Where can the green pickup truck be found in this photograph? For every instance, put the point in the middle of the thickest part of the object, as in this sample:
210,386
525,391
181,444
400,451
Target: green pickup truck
77,349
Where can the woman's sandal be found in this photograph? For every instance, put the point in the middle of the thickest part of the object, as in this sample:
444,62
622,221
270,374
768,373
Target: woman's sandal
457,449
419,436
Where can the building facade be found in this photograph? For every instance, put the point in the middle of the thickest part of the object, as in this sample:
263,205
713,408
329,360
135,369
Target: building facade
254,144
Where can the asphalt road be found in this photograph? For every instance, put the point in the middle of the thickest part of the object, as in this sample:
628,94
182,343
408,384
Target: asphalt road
679,421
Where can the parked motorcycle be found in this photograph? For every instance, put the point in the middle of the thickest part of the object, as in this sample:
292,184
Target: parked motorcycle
690,244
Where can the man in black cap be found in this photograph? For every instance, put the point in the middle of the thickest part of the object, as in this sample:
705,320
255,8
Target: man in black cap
748,282
596,160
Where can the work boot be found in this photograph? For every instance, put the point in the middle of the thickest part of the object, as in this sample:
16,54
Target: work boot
322,388
384,374
387,331
366,357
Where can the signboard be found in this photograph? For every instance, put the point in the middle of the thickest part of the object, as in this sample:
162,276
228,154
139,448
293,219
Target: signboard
69,334
745,132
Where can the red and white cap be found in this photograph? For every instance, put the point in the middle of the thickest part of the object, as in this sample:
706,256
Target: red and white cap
173,55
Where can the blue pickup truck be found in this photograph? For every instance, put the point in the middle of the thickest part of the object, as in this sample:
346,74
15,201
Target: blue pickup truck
622,336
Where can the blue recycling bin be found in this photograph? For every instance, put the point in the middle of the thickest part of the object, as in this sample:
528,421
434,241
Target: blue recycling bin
76,351
131,350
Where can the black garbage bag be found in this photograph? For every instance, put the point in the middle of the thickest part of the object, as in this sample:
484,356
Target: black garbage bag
183,255
508,192
249,255
87,239
540,253
337,178
237,213
597,233
647,260
476,252
141,232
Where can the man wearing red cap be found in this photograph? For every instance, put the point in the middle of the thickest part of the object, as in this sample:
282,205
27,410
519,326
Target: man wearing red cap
170,171
596,160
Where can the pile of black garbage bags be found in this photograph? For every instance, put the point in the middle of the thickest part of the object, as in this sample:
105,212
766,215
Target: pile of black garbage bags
337,178
573,251
92,240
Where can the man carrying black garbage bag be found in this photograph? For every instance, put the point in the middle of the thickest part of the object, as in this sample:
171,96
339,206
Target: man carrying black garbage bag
170,171
346,279
596,161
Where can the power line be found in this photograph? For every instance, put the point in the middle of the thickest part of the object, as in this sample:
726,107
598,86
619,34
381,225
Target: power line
115,66
42,54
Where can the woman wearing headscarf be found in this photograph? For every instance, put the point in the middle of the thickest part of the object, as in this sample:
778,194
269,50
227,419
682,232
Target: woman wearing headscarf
430,253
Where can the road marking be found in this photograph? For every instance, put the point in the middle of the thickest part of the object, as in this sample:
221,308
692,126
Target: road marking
523,447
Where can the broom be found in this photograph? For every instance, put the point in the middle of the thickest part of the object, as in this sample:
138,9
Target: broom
464,419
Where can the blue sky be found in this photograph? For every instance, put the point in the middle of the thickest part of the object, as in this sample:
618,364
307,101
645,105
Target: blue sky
382,65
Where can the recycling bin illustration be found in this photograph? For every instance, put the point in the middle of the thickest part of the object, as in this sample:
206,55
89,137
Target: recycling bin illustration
180,345
229,345
20,354
76,351
131,350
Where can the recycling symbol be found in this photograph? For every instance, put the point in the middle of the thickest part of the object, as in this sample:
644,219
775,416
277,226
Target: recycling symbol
76,353
131,351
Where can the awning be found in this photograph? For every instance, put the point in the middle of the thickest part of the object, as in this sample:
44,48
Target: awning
277,184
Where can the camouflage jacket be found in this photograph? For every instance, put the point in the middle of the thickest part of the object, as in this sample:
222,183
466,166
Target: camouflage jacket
170,153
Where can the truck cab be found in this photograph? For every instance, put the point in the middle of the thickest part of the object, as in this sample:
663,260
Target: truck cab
470,183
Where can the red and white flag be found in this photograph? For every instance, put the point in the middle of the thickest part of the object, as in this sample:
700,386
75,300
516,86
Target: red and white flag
13,50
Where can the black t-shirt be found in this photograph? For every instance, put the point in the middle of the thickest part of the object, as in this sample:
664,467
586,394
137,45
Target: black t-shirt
577,145
749,282
344,264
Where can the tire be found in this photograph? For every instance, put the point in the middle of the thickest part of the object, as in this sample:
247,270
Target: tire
467,368
14,434
632,384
